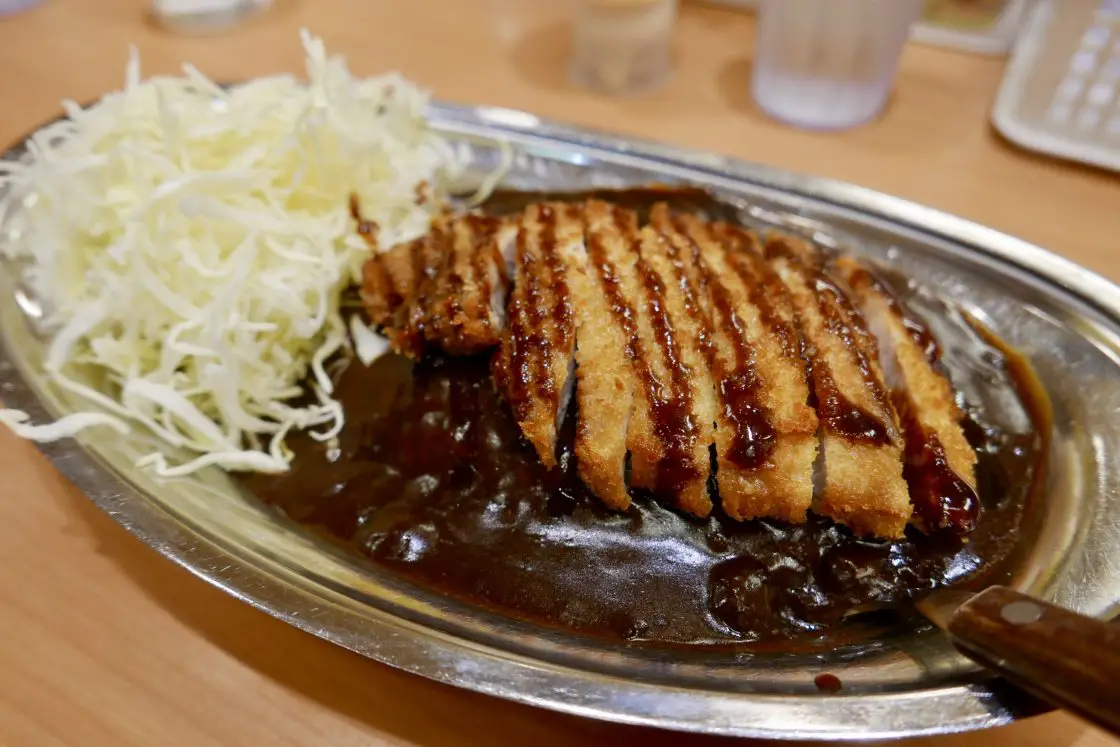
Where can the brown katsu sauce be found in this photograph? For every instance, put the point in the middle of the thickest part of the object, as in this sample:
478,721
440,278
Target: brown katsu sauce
542,341
529,344
942,500
755,436
485,253
670,407
764,287
431,480
563,316
828,683
690,292
838,414
854,422
673,421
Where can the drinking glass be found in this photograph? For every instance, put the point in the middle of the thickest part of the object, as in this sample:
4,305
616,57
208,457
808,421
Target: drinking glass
622,46
10,7
829,64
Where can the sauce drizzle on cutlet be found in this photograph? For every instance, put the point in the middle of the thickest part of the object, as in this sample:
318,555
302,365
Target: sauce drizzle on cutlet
484,229
755,437
763,286
839,414
452,288
524,321
918,331
942,500
673,418
689,292
671,411
560,312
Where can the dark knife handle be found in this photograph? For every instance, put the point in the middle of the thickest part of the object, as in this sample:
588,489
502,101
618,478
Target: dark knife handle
1065,658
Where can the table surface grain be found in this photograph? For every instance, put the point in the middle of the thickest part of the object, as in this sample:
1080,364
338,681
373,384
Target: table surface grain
102,642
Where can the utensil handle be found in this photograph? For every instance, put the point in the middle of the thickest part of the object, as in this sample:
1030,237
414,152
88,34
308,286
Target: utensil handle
1070,660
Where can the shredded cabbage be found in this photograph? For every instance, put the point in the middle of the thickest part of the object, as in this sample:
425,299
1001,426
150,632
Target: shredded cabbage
192,243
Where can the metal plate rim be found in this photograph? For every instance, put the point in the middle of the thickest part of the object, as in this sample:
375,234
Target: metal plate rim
837,717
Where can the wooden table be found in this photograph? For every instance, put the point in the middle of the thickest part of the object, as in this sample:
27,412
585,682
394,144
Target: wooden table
104,643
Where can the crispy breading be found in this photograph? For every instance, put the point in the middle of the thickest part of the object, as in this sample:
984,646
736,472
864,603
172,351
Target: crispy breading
921,392
460,314
446,289
535,360
605,382
613,246
388,281
765,434
861,483
685,337
684,415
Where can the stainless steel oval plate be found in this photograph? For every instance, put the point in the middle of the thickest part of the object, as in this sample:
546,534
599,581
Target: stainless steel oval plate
1066,320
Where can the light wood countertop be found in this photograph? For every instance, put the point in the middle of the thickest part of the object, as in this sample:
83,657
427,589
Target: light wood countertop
102,642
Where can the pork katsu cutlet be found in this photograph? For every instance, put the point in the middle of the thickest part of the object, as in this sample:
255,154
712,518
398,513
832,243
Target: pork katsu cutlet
446,289
535,361
939,464
860,470
765,433
684,339
666,438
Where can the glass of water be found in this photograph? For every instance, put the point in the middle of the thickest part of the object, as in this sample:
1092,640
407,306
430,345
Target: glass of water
829,64
11,7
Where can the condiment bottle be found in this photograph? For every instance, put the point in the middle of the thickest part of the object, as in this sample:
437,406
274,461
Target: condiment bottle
622,46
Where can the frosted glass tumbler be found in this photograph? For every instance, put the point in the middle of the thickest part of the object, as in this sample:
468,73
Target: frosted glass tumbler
829,64
11,7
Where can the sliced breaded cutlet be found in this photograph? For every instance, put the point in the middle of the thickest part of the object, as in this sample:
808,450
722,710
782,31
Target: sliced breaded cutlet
605,380
389,281
860,477
392,279
446,289
399,281
682,408
765,432
939,464
663,436
779,357
465,308
534,363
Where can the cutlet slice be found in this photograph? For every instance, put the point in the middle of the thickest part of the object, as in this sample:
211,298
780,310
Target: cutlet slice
425,259
780,361
632,292
682,409
765,433
535,360
861,446
465,309
390,279
446,289
939,464
666,438
605,381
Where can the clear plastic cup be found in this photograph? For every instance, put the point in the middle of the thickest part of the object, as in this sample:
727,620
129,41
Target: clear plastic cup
622,46
11,7
829,64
